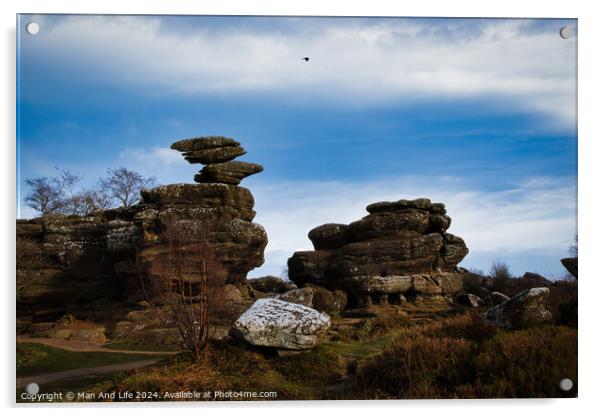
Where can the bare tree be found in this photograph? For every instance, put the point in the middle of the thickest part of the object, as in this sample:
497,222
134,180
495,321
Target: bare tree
44,195
70,199
190,279
91,201
125,185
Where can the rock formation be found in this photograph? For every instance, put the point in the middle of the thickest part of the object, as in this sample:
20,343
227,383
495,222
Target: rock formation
526,309
401,249
217,153
571,264
64,261
280,324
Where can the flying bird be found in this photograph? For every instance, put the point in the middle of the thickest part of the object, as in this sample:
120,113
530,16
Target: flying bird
306,59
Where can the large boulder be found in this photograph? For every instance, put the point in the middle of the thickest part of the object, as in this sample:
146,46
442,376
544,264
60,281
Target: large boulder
276,323
526,309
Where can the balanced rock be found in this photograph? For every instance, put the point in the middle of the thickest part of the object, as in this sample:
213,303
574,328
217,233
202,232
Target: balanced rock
214,155
400,246
217,153
526,309
280,324
229,172
202,143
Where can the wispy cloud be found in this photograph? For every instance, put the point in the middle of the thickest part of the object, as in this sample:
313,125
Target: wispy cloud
353,61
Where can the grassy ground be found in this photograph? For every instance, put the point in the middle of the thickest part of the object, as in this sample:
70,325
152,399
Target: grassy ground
34,359
454,357
137,347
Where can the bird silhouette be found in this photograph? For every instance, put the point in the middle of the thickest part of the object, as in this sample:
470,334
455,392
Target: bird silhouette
306,59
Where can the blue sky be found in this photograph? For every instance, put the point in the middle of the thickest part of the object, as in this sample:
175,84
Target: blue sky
479,114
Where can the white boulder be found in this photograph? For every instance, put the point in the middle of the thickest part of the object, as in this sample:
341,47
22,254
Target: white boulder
276,323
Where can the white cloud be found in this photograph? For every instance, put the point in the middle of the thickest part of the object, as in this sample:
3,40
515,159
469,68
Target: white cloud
526,222
353,61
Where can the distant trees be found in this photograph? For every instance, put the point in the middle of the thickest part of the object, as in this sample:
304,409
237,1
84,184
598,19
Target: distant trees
125,185
59,194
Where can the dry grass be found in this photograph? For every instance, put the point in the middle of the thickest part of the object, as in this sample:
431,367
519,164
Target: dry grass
460,358
455,357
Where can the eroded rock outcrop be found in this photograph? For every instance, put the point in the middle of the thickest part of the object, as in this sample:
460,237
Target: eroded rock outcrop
401,247
64,261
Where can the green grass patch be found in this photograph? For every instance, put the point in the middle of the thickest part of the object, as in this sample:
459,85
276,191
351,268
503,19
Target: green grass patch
33,359
125,346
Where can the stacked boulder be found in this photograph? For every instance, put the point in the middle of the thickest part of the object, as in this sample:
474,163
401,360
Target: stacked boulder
217,153
215,210
400,250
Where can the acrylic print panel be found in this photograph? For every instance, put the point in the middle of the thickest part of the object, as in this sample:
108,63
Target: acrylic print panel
260,208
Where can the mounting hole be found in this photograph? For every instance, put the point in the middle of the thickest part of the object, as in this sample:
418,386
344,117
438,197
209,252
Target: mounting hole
32,28
566,384
32,388
565,32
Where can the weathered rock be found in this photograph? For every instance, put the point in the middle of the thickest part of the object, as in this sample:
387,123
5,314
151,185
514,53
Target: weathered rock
452,252
303,296
228,198
497,298
526,309
388,256
214,155
330,236
271,284
439,223
310,267
420,203
275,323
328,301
470,300
407,223
201,143
229,172
401,246
377,284
571,264
231,294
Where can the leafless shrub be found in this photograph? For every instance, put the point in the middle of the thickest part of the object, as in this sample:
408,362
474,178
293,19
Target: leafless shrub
190,280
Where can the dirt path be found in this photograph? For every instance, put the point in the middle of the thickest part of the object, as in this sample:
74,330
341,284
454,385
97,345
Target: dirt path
82,372
85,346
